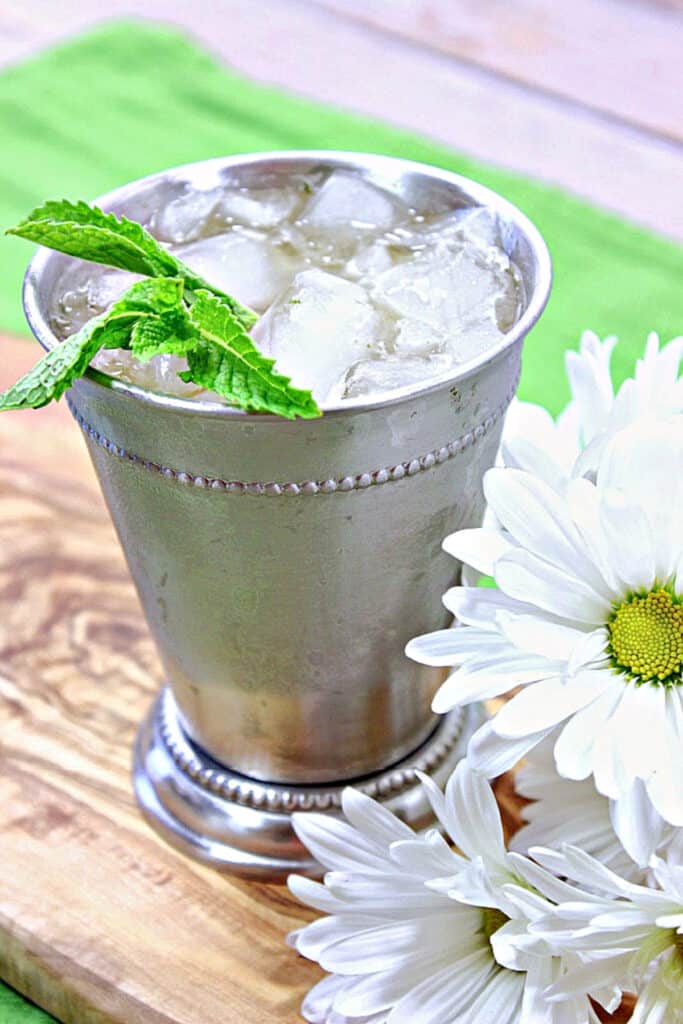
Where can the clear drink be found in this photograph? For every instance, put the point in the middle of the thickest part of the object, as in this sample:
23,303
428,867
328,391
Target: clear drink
358,294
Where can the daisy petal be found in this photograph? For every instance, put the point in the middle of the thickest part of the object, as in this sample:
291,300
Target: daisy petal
481,679
590,381
591,977
434,1000
492,754
524,576
542,973
574,748
377,992
660,1000
543,705
372,819
637,823
313,894
528,419
313,940
544,880
385,947
591,647
552,640
522,453
451,646
472,815
664,786
538,519
478,548
631,551
428,857
512,945
629,745
479,606
334,843
500,1000
317,1005
634,464
583,499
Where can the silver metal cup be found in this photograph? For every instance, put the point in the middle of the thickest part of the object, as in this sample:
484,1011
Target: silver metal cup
283,566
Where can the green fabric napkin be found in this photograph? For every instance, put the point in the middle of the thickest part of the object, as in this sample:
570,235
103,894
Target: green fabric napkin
15,1010
131,98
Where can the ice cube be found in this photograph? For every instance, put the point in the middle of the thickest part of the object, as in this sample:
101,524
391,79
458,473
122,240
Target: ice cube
347,202
259,208
413,337
244,263
464,228
474,339
318,328
160,373
185,218
480,225
106,288
477,225
369,260
371,377
448,291
90,293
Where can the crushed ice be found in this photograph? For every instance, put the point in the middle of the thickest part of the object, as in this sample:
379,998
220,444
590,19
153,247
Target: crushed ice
358,294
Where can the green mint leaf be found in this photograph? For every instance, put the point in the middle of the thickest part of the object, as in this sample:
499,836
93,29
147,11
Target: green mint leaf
62,365
231,365
168,333
162,324
86,232
90,234
154,302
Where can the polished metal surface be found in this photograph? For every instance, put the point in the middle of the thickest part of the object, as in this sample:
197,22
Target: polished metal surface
239,825
283,565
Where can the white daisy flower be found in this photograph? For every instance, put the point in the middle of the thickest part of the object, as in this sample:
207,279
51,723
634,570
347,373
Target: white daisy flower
421,934
564,811
549,448
587,620
632,937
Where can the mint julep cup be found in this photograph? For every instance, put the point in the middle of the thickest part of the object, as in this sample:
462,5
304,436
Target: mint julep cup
283,566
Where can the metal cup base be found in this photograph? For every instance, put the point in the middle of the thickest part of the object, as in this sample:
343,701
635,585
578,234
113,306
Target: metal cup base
243,826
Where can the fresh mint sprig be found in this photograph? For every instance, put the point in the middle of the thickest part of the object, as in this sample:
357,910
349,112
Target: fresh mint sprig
149,306
228,362
174,311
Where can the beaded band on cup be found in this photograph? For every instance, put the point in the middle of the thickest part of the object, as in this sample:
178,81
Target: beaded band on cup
359,481
281,798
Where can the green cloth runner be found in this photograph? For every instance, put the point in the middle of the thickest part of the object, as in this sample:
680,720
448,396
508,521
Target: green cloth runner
131,98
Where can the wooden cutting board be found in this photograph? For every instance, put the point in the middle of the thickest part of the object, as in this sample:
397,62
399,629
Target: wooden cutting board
100,921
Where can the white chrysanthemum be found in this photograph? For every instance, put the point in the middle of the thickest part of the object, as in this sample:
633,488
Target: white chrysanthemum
587,620
565,811
534,441
632,937
420,934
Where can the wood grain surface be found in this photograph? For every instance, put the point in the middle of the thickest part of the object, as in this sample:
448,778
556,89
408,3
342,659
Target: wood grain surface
100,921
584,51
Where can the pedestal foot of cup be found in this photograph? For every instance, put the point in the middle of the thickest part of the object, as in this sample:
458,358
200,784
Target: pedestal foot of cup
243,826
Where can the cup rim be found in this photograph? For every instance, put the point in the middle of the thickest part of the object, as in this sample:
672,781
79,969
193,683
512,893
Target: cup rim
352,160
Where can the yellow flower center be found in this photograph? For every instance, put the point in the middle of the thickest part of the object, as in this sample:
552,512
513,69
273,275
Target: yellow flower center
646,637
492,920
